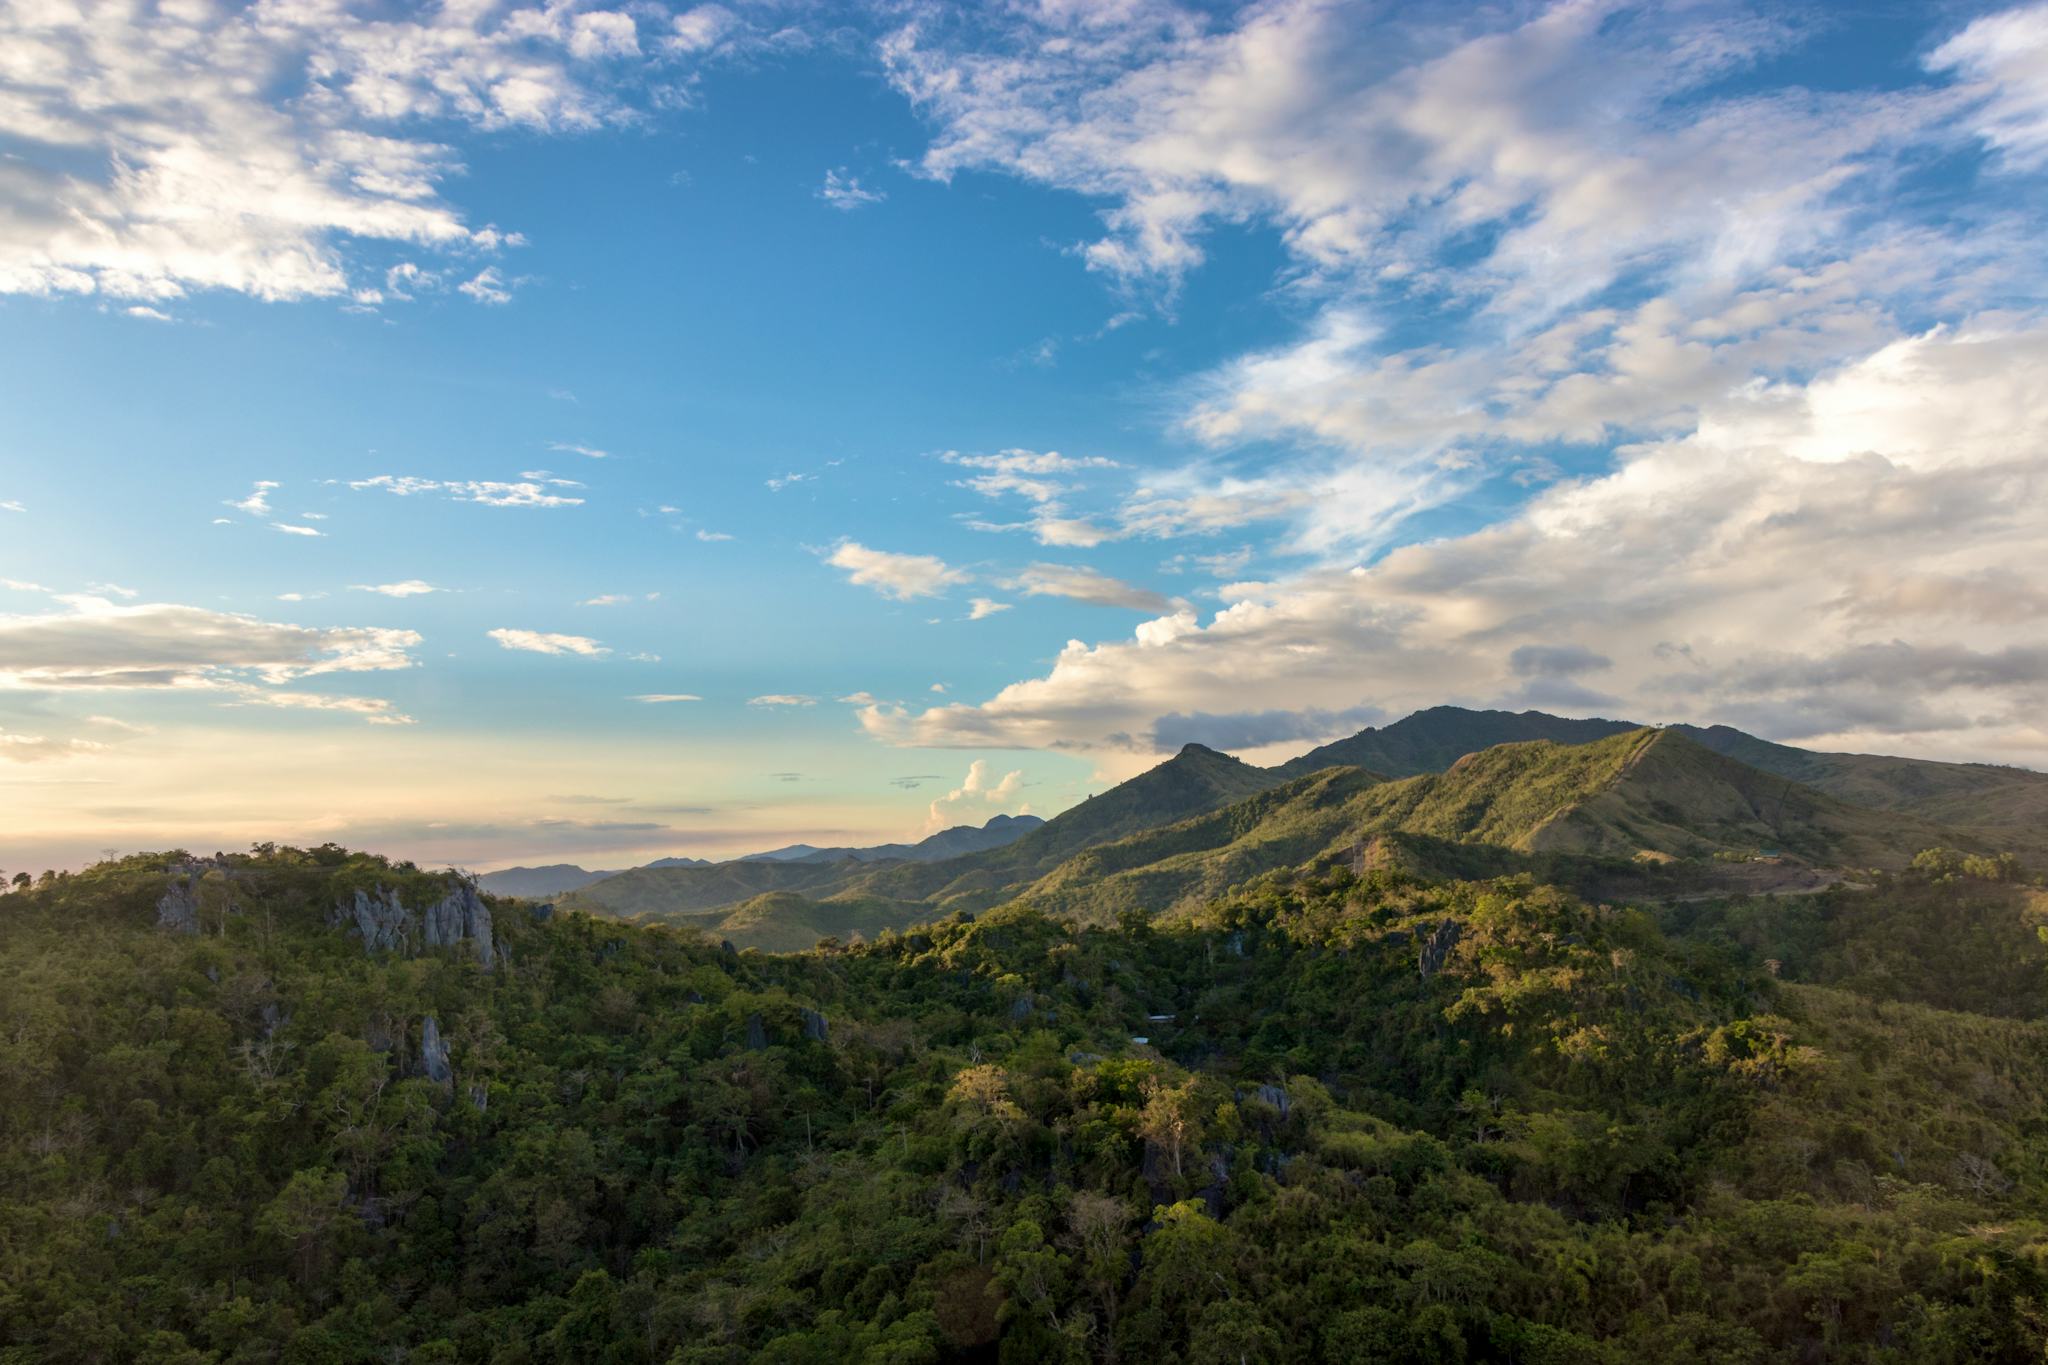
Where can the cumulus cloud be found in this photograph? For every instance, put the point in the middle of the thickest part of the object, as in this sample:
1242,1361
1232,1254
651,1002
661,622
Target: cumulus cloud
900,576
1726,574
1594,269
181,148
981,608
979,796
542,642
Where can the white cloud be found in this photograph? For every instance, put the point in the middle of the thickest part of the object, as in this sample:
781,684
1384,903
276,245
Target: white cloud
661,698
976,798
292,530
2002,60
257,504
188,147
902,577
1859,562
12,505
782,699
610,599
540,642
411,587
1085,585
98,644
845,193
712,537
147,313
588,452
981,608
488,286
490,493
777,483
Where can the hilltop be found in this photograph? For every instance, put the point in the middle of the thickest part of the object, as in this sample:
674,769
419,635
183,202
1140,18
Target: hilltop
314,1104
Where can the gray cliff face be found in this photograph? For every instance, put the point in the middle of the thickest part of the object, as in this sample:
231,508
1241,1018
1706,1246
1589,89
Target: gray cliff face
385,923
177,910
459,915
434,1053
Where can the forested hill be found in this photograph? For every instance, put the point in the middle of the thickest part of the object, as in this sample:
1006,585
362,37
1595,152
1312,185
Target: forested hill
315,1106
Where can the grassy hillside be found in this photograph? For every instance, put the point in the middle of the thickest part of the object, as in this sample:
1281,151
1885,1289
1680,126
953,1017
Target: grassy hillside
1652,791
2006,807
1432,740
1195,781
1386,1118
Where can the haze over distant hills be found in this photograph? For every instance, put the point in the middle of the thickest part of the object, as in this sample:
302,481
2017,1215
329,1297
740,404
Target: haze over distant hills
560,878
1504,785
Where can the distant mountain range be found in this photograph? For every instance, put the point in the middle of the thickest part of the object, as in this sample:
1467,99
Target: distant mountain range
558,879
1501,785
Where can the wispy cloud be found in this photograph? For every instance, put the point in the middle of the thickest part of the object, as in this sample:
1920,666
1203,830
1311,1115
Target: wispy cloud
782,699
981,608
1086,585
291,530
662,698
490,493
257,504
843,191
411,587
541,642
589,452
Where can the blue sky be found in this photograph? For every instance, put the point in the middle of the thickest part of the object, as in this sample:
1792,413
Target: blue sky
379,435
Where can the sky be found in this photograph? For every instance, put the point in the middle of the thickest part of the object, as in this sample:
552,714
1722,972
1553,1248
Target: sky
497,433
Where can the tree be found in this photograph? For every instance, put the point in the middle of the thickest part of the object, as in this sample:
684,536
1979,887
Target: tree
1169,1119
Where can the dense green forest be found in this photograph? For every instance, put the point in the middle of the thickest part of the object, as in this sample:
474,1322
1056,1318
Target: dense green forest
256,1108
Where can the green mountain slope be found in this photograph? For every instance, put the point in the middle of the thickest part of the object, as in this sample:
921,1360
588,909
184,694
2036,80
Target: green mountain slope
1646,791
2004,806
1432,740
1193,782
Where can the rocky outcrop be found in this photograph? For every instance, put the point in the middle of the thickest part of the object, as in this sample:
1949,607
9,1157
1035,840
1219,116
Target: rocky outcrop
434,1053
757,1033
177,910
815,1027
458,916
458,920
1437,948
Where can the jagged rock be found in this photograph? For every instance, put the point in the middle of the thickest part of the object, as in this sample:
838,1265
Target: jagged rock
757,1033
383,922
381,919
434,1053
1020,1009
815,1027
274,1019
1438,947
178,908
1236,944
1275,1096
480,1097
459,915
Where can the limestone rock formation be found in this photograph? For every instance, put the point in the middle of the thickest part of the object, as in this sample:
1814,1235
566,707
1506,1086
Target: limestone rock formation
434,1053
178,908
385,923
